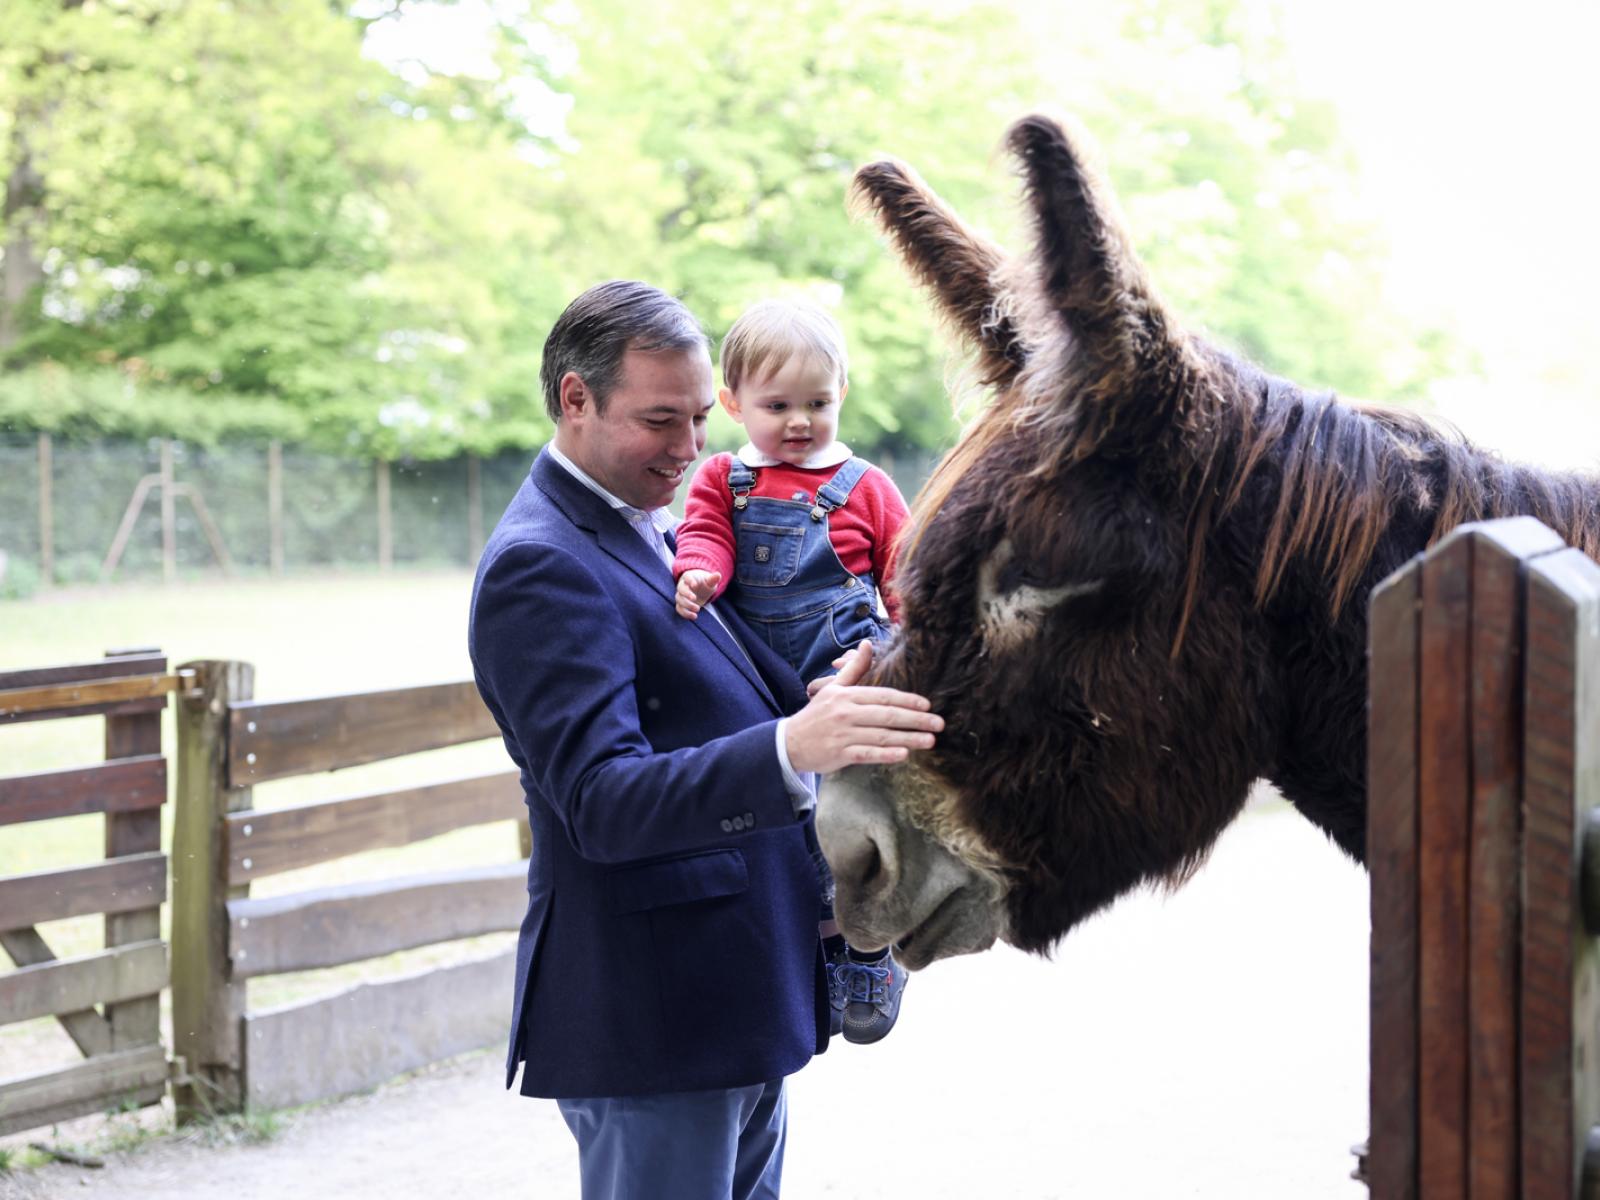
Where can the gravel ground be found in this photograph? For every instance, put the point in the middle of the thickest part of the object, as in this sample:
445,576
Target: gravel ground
1206,1044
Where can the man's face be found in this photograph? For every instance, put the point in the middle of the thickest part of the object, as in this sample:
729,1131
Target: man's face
652,429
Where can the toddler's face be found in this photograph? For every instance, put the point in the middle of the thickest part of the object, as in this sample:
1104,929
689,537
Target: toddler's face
792,412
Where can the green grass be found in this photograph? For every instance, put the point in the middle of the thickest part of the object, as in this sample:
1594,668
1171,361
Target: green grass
305,637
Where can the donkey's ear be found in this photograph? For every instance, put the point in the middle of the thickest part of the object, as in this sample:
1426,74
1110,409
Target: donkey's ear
946,257
1091,281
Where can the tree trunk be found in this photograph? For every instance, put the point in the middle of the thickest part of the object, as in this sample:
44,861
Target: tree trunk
21,269
22,265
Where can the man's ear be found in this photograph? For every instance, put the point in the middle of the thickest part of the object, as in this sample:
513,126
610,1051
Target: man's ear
730,404
576,398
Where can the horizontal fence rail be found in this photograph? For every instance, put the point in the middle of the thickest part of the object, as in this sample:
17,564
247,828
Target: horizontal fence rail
261,843
276,741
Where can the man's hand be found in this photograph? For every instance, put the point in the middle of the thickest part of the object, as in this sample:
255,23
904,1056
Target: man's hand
845,723
695,589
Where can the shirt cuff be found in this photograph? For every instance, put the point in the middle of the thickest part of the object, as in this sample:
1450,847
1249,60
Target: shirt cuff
802,788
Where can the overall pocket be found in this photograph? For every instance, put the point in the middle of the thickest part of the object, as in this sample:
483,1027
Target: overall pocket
769,555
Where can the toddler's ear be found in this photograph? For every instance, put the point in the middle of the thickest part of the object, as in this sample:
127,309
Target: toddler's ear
730,402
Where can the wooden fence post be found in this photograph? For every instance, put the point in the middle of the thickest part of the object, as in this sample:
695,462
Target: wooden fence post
47,521
207,1005
474,509
275,504
169,517
385,517
128,735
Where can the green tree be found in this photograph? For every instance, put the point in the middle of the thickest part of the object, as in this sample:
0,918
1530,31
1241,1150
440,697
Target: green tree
711,150
1240,188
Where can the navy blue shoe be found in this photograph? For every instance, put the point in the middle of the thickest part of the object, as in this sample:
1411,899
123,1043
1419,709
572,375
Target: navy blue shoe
874,990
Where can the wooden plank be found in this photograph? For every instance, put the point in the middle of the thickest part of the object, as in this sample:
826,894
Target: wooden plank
351,922
142,662
120,786
358,1038
1499,553
1392,692
275,741
89,1031
1443,832
282,839
74,984
206,1004
138,1021
1560,995
120,885
107,1081
61,699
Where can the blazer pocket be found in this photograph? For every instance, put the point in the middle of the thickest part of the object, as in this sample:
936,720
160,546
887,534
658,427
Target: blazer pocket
703,876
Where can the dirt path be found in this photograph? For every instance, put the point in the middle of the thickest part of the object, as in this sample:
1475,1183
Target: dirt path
1211,1044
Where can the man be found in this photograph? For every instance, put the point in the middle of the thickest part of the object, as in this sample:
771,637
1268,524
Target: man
669,971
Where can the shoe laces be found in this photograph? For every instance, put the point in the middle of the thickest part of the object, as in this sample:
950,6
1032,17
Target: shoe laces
864,983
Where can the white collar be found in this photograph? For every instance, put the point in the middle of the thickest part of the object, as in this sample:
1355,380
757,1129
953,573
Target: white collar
661,518
830,455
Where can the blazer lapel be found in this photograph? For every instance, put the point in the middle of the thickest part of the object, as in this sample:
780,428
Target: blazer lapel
616,537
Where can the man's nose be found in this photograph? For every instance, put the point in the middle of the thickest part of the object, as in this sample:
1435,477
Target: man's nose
687,445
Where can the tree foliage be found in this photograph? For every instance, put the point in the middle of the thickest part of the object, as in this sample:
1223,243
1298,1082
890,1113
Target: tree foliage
223,218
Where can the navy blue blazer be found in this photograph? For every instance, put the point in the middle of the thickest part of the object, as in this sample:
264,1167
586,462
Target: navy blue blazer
670,942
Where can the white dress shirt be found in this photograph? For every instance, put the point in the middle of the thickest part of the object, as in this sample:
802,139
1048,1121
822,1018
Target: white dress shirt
653,525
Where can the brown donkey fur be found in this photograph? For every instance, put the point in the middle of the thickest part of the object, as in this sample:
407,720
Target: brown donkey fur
1139,582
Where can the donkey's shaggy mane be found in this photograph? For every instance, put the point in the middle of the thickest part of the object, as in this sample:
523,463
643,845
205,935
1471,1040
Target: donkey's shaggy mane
1344,473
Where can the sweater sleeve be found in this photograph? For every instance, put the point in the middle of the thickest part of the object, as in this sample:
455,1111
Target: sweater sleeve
705,535
889,515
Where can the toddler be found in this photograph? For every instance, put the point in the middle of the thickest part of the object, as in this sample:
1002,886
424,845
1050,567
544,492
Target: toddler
800,534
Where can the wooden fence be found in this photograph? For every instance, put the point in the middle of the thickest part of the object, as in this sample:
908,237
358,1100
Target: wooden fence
1484,769
353,1039
124,1059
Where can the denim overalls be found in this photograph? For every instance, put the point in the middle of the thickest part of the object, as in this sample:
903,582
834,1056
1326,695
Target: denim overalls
789,584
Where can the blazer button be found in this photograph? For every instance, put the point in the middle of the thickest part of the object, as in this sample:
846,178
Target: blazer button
727,825
749,820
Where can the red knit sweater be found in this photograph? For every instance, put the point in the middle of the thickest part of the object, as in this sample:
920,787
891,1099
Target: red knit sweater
863,531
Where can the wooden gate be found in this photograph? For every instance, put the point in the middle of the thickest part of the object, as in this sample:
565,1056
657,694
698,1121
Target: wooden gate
1484,743
222,937
124,1059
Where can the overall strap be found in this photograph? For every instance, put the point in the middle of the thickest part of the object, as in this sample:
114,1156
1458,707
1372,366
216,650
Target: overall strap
741,479
836,491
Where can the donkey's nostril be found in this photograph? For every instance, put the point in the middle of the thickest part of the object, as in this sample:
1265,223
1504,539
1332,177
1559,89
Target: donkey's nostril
858,865
873,864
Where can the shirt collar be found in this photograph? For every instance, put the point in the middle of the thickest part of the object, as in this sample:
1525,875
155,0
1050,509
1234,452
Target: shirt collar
830,455
661,518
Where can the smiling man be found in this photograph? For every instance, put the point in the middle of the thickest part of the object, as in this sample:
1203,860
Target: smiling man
669,969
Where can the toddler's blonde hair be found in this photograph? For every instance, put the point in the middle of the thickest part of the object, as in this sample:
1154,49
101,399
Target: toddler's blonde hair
769,333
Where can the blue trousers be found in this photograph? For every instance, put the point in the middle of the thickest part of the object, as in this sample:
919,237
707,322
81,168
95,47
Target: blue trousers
724,1144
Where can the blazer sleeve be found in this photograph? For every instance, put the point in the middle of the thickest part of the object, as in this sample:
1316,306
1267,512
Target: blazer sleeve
559,668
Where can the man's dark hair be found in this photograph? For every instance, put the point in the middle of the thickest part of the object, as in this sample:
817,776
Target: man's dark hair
602,325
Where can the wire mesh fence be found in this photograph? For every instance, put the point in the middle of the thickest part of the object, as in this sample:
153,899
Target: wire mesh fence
77,512
74,512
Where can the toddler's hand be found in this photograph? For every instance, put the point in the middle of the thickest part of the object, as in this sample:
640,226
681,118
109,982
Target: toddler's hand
695,589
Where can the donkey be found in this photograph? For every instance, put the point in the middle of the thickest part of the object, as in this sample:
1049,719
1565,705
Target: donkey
1137,584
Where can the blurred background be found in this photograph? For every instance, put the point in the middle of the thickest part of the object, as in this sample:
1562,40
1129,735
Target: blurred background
314,247
274,279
